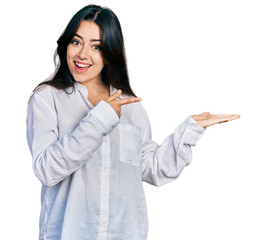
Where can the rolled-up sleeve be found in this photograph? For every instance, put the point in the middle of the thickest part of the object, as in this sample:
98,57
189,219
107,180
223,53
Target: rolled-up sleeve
164,163
54,159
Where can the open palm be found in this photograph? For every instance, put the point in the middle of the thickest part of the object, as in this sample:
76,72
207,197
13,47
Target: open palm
206,119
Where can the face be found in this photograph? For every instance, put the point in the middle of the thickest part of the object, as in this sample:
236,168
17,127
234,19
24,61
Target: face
84,57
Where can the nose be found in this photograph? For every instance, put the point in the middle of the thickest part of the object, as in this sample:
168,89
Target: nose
84,53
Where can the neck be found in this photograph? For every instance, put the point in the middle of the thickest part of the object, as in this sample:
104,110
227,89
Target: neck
94,87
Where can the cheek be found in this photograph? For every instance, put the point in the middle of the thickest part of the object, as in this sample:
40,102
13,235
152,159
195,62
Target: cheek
67,54
69,57
99,60
71,52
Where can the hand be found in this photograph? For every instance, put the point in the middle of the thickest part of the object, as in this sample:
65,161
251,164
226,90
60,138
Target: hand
206,119
116,104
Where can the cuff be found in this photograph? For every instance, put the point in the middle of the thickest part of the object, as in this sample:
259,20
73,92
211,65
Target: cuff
191,131
106,114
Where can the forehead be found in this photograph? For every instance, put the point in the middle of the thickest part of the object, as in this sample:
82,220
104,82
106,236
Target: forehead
88,29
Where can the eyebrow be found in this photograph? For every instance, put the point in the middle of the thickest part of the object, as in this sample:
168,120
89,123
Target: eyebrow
92,40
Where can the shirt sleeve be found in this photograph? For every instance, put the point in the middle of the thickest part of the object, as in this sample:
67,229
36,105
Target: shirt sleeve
54,159
164,163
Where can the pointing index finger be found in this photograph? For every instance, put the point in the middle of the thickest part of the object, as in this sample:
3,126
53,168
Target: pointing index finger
115,95
128,100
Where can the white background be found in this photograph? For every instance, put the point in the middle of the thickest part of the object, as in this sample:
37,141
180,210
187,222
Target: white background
184,58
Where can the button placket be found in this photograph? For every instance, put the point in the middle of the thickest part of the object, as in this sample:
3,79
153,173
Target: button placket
104,189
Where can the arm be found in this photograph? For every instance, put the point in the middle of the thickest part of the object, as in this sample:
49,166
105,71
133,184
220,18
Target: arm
54,159
163,163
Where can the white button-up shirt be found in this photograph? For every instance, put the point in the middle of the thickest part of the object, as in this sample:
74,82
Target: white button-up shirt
92,164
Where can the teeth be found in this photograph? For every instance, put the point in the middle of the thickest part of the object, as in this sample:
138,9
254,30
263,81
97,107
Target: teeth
82,65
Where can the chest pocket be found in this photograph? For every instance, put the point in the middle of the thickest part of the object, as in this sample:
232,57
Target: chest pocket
130,147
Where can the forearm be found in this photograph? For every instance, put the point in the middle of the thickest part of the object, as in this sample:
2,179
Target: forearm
56,159
164,163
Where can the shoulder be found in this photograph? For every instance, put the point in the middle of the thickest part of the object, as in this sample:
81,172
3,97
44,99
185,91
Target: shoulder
47,93
136,114
45,97
46,90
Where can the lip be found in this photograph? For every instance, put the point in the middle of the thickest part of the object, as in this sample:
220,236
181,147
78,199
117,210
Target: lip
82,63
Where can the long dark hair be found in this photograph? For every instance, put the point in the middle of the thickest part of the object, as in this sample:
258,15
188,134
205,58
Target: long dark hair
115,70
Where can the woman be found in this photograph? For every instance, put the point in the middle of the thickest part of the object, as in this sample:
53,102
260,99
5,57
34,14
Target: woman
90,138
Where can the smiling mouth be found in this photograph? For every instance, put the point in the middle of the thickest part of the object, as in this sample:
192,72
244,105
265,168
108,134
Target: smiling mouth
80,67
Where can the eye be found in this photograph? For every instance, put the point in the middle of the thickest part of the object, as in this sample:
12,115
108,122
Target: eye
75,42
97,47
